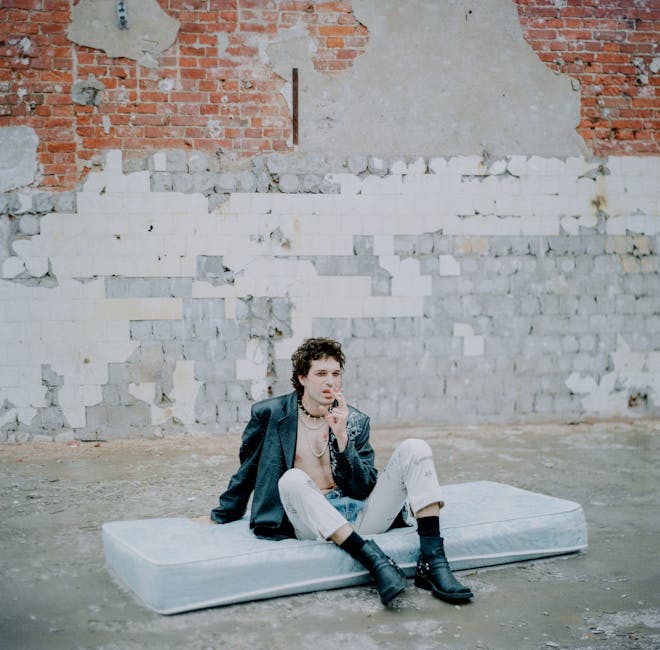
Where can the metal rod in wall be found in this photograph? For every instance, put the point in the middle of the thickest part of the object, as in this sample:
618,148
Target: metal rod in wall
294,92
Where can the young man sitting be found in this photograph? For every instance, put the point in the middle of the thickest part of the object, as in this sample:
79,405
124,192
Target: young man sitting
308,460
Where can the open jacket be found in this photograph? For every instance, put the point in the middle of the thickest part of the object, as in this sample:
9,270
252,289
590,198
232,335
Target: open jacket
268,450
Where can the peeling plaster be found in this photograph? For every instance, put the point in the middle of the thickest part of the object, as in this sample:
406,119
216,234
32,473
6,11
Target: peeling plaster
18,157
268,242
498,96
150,30
87,92
634,379
181,406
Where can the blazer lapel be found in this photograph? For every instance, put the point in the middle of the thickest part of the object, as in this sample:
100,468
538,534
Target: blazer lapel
287,427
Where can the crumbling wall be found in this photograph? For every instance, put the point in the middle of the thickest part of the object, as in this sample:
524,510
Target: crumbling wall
463,289
376,76
474,216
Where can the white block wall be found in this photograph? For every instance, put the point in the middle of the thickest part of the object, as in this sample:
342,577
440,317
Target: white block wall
461,209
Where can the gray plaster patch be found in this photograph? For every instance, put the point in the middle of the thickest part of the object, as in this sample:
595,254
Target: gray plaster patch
149,30
87,92
18,156
478,88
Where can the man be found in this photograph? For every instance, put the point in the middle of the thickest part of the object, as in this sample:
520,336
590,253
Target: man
308,460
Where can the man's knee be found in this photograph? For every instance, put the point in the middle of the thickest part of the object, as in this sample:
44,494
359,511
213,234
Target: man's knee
292,480
415,448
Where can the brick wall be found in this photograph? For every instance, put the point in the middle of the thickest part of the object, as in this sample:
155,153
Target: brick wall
198,98
611,48
203,98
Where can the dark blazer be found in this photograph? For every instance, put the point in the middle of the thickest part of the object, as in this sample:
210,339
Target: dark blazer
268,450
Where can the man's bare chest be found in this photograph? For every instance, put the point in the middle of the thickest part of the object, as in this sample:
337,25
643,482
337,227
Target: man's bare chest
313,454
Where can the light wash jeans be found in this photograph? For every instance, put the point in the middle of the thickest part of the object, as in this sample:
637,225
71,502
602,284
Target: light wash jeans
409,477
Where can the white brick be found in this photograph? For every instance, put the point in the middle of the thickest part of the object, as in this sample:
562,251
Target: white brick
37,266
517,165
12,267
415,185
391,263
546,225
388,307
16,355
8,416
417,166
138,183
463,329
8,376
635,223
409,266
411,286
299,286
439,166
9,332
473,346
581,385
26,414
467,165
571,225
160,161
616,226
448,265
386,185
30,332
139,309
91,394
21,247
398,167
497,167
651,225
349,184
383,245
144,391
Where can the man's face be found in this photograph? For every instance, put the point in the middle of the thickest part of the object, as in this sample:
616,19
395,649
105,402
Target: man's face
322,381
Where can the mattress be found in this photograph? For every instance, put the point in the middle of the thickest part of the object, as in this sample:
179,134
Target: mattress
175,565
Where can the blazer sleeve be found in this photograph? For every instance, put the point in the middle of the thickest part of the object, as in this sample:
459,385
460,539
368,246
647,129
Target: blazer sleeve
233,501
356,472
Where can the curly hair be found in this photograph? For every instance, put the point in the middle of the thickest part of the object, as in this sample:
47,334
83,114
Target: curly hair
311,350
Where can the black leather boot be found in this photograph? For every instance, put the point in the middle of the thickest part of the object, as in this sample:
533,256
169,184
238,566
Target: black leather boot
389,578
433,574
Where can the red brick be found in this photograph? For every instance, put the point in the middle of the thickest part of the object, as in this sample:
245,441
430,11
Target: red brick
61,146
336,30
334,6
347,54
56,5
333,41
22,4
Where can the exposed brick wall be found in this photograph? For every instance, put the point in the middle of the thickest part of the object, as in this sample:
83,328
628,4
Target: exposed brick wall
609,47
227,100
232,101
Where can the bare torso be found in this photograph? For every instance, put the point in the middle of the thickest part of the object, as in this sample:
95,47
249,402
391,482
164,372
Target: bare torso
313,456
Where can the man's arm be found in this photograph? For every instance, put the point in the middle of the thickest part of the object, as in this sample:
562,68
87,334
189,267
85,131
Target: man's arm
234,500
355,463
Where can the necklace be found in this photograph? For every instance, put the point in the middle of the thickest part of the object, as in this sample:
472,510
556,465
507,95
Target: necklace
307,413
312,427
318,454
309,427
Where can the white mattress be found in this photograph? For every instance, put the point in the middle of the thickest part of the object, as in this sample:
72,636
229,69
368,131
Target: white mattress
176,565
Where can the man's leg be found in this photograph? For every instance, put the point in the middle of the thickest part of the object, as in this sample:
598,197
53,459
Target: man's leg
410,474
313,517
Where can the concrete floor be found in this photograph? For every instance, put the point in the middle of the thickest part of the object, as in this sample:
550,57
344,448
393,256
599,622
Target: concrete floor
56,593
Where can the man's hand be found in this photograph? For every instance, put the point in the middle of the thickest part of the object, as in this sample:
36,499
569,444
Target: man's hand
336,417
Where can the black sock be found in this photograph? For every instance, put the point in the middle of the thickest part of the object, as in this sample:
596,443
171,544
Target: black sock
428,529
352,544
